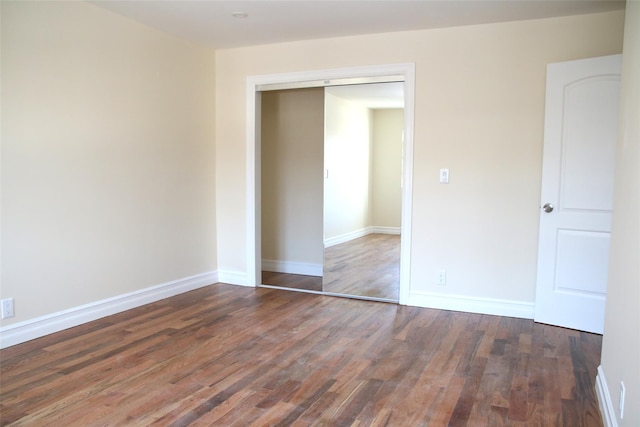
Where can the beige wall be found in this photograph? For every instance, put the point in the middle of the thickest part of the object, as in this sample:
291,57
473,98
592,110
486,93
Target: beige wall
108,182
621,342
479,110
386,167
108,174
292,164
347,153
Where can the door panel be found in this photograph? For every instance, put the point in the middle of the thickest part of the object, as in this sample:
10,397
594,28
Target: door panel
591,116
581,116
581,260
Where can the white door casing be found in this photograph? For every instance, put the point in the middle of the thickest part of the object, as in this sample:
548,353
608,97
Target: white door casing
581,122
371,74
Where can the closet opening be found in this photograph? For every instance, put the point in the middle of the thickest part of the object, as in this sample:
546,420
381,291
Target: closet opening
329,168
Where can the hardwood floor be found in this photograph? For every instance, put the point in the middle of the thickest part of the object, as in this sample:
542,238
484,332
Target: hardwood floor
233,356
368,266
293,281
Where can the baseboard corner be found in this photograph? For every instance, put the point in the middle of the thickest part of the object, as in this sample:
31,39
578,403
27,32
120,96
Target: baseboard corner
604,400
233,278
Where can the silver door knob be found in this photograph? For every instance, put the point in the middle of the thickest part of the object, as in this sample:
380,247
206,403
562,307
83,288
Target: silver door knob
548,207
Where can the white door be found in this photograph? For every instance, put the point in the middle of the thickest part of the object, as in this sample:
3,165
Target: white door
581,122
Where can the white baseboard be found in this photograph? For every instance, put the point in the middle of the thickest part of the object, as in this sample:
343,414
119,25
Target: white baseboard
342,238
292,267
384,230
604,400
40,326
233,278
469,304
346,237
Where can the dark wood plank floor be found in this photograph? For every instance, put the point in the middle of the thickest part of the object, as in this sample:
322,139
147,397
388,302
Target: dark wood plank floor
292,281
367,266
233,356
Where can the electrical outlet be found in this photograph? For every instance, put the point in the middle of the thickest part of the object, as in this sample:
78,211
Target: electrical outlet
7,308
622,393
442,277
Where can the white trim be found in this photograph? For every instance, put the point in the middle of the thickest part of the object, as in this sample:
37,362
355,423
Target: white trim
253,173
235,278
395,72
329,83
253,143
40,326
407,187
471,304
604,400
384,230
352,235
292,267
346,237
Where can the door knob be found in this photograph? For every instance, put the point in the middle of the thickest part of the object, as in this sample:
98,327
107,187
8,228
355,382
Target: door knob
548,207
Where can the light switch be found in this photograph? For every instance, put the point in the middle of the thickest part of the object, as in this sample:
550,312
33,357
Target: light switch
444,176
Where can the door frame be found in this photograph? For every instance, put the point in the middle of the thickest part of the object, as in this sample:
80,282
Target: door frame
321,78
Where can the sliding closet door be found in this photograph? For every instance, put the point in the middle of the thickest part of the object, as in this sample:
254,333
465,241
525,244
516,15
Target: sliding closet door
292,187
363,190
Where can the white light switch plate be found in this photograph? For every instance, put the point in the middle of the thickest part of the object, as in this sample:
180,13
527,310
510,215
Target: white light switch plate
444,176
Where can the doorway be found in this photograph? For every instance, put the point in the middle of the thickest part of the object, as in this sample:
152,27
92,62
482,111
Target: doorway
327,78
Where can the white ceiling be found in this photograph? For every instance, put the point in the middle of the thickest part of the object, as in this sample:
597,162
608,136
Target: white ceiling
210,22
